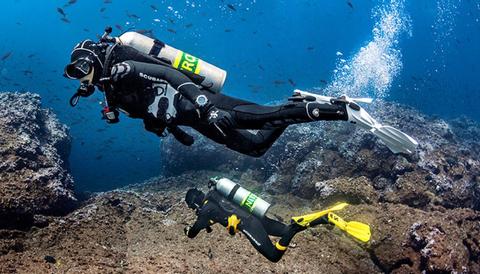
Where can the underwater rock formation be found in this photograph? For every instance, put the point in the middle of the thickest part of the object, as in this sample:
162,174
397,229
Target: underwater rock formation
444,171
140,229
412,203
34,147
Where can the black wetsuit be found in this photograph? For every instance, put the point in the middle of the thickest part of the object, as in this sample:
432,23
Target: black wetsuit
145,87
217,209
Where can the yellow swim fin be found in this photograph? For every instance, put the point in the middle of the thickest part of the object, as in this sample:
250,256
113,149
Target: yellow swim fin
359,231
306,220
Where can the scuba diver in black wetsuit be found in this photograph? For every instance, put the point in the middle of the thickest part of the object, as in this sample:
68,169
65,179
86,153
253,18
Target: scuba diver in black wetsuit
228,204
165,87
213,208
164,97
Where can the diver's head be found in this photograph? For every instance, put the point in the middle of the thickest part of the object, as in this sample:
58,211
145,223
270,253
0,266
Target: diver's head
86,62
194,198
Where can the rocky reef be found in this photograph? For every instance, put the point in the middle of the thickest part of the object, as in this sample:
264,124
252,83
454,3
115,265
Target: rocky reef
422,208
309,160
34,147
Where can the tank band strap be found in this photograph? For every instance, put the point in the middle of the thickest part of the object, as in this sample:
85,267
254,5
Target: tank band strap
234,190
157,47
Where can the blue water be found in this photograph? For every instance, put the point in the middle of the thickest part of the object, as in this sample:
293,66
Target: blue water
424,53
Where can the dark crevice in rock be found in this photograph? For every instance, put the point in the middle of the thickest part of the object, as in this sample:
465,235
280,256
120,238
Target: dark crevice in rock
389,268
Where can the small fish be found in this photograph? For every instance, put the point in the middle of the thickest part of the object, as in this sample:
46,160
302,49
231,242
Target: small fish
172,31
269,45
323,82
69,3
153,8
31,55
189,25
134,16
350,4
65,20
145,31
99,157
310,48
119,27
261,67
107,1
291,82
279,82
27,72
103,9
60,10
86,30
230,6
171,20
228,30
6,56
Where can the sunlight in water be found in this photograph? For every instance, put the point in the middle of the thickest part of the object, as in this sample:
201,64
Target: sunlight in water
372,69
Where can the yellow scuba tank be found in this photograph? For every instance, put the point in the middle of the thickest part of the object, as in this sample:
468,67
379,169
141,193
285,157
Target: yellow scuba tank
213,77
239,195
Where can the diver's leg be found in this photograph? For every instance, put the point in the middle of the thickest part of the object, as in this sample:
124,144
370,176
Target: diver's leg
258,237
253,142
256,116
274,228
248,115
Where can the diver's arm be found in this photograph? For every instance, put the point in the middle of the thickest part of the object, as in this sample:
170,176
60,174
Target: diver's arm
204,221
154,126
181,136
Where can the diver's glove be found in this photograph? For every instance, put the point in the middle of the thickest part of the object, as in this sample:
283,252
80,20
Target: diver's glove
220,119
110,115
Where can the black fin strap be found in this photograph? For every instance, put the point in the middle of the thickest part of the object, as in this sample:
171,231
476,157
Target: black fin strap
74,100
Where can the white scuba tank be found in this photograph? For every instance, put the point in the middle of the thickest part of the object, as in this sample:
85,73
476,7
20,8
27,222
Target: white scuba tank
213,77
239,195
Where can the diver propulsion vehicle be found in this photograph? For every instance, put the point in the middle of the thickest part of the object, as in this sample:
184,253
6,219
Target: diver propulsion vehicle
394,139
208,75
240,196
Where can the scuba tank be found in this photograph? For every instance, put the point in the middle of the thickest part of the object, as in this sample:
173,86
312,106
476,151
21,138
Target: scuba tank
240,196
211,77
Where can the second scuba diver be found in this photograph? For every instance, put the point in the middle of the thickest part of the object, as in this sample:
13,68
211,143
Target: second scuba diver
168,88
237,209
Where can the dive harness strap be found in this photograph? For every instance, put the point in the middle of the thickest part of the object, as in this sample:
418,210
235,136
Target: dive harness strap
109,112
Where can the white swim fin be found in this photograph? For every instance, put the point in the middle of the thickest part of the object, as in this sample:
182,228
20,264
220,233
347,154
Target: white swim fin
394,139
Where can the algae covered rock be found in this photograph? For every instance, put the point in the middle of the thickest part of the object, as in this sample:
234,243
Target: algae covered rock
444,170
34,147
